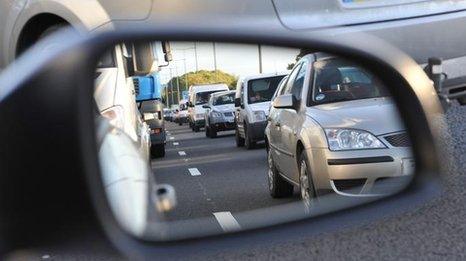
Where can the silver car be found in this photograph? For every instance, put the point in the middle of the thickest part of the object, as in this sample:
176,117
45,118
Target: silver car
220,113
333,128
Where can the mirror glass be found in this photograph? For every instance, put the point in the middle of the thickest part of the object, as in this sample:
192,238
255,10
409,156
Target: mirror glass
224,137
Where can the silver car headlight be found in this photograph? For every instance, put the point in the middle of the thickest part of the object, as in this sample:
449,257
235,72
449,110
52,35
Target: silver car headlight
259,116
216,114
351,139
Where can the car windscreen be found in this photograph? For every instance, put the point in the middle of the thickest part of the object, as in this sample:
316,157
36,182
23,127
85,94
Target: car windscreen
338,80
224,99
262,90
203,97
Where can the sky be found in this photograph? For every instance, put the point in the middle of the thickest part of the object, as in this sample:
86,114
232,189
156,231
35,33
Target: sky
237,59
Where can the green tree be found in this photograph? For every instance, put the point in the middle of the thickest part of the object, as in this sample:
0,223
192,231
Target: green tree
203,77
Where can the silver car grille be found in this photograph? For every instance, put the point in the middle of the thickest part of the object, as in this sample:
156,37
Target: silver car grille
398,140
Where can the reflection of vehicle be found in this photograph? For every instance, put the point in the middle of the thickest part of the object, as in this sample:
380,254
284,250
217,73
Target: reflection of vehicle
152,113
181,115
199,95
252,98
115,98
334,129
220,113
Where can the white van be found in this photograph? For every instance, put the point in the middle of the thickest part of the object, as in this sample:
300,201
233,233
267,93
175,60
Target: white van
252,102
198,96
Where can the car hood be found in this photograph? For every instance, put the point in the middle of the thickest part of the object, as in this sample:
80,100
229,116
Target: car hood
261,106
224,108
376,115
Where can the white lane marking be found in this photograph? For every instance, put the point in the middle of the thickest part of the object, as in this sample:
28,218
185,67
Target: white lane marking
227,221
194,172
176,143
172,138
182,153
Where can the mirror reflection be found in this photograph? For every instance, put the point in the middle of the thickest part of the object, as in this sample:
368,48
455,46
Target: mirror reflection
200,138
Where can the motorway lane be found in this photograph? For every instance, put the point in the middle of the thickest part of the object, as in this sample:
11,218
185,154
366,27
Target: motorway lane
231,179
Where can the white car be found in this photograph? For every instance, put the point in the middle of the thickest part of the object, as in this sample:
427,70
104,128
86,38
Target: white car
199,95
252,100
220,113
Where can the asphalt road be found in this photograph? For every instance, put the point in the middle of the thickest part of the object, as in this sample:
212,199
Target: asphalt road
223,178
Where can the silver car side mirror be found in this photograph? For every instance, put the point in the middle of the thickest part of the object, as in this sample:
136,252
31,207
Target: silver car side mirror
286,101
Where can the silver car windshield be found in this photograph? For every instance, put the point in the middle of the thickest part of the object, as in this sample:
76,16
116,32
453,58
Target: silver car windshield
224,99
338,80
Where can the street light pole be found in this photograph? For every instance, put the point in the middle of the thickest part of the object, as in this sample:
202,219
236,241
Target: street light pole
195,56
177,84
259,48
215,56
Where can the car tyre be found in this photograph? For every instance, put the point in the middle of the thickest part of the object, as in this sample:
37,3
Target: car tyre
278,187
157,150
248,143
196,128
306,185
238,139
213,132
207,131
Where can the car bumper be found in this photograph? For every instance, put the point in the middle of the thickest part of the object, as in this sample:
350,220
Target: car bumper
256,130
361,173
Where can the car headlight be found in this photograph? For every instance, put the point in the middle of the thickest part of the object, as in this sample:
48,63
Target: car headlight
216,114
259,116
350,139
116,116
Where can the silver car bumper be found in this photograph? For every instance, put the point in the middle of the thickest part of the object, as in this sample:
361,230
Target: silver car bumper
360,173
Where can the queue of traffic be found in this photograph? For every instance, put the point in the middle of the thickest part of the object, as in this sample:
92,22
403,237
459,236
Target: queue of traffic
329,126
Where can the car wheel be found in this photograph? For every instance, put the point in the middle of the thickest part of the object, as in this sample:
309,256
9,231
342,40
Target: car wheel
207,131
278,187
157,151
180,123
213,132
248,143
196,128
306,185
238,139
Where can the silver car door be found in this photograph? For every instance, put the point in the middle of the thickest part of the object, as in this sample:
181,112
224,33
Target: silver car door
290,123
277,128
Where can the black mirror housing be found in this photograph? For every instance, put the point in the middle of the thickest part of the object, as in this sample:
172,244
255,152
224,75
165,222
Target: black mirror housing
237,102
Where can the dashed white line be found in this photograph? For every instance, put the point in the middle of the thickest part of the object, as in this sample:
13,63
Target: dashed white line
194,172
172,138
227,221
182,153
176,143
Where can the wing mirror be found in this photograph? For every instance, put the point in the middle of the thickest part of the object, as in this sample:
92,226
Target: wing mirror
351,156
286,101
